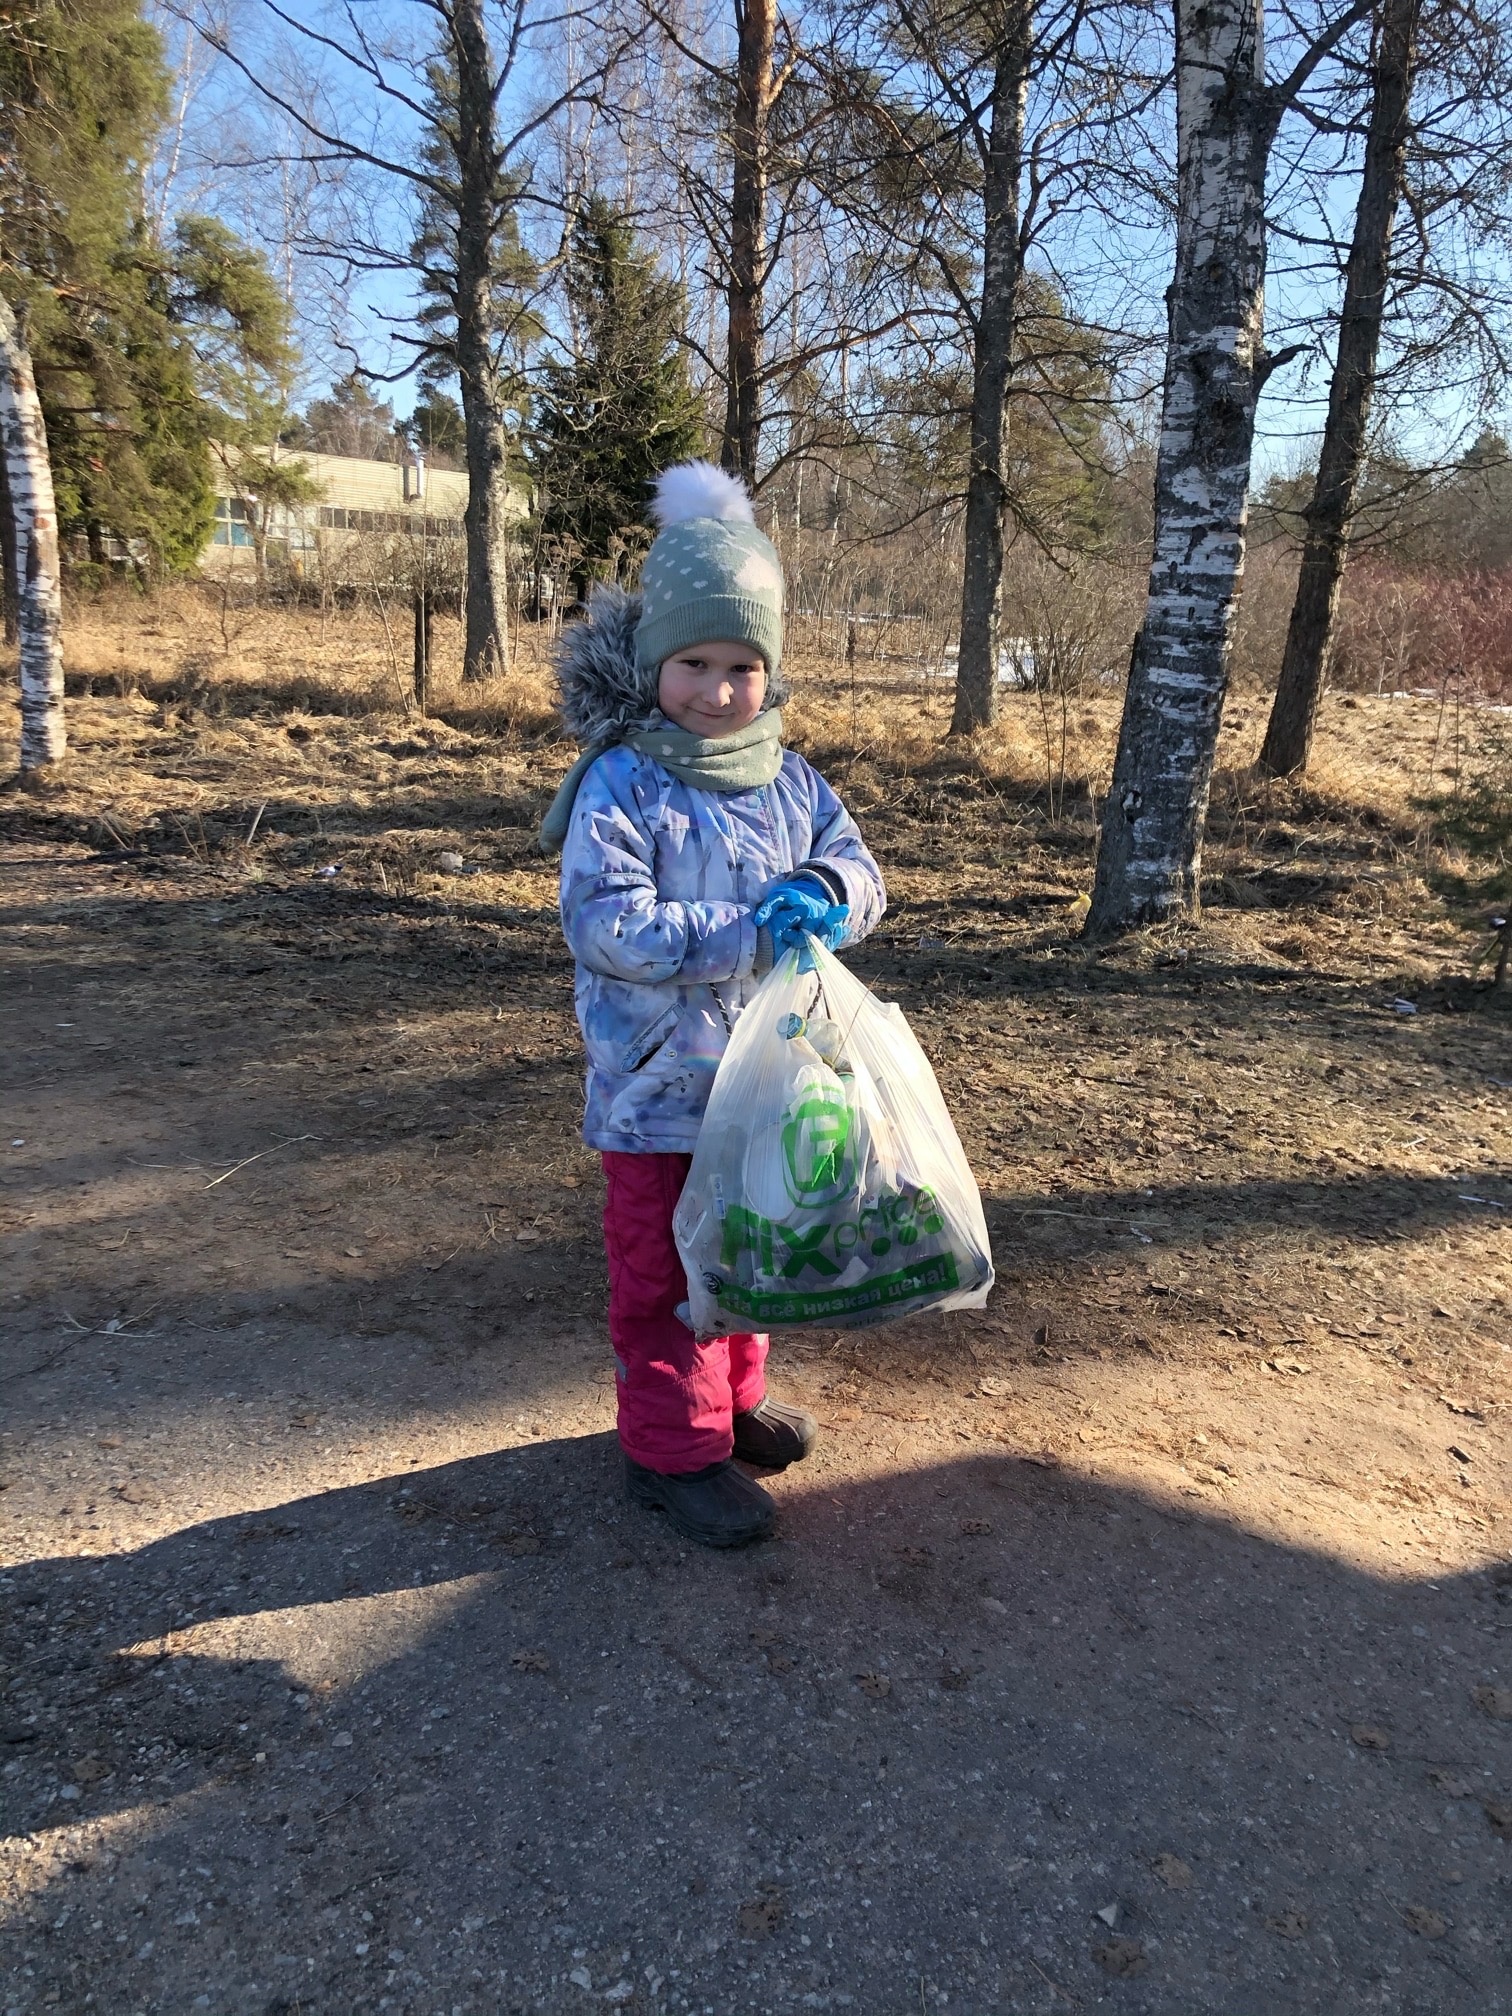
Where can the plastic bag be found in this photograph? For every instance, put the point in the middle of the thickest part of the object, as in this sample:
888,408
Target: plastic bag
828,1184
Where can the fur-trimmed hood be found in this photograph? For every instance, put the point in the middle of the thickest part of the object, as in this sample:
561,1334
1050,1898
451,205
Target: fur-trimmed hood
603,693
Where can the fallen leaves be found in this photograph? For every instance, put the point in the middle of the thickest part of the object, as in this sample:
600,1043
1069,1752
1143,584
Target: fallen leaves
1121,1957
1493,1701
1291,1924
1451,1785
1367,1736
1173,1872
761,1916
1498,1813
875,1686
1427,1924
976,1526
530,1662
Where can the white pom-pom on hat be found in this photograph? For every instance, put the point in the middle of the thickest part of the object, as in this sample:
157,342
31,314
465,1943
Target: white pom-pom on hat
700,490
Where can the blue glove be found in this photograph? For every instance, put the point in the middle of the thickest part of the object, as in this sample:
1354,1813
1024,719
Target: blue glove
793,910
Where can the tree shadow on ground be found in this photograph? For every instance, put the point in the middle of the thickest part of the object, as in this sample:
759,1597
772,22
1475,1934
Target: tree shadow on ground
450,1736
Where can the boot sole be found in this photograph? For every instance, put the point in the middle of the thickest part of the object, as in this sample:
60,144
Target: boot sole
766,1463
646,1495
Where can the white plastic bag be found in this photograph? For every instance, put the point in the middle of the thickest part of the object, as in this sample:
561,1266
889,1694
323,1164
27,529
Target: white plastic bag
828,1184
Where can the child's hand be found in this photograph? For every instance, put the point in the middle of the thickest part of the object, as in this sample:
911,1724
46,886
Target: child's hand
797,908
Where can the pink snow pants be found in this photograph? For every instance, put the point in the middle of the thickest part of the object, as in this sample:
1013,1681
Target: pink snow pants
676,1396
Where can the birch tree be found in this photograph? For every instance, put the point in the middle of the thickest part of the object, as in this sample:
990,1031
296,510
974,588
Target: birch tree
1149,862
34,522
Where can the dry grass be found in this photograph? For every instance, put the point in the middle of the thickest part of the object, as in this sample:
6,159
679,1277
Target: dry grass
191,718
1239,1107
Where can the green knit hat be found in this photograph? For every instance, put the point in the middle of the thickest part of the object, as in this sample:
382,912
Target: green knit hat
711,576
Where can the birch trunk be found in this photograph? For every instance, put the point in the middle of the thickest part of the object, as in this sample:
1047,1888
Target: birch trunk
1309,636
34,519
485,648
756,26
1149,862
976,693
9,593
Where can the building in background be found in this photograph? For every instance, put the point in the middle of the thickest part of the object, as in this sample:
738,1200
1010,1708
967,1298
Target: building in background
361,509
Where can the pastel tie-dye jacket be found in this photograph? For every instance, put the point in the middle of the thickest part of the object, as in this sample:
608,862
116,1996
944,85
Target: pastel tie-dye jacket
659,883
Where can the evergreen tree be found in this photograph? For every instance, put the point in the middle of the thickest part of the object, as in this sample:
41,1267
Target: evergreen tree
1055,458
236,321
436,430
608,423
83,91
350,420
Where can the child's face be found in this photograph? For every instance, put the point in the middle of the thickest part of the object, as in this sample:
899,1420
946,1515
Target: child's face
712,689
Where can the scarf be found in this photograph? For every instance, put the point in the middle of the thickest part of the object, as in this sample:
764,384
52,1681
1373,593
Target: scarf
744,761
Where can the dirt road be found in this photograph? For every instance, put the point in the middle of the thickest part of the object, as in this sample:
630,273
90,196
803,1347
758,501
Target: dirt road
1141,1643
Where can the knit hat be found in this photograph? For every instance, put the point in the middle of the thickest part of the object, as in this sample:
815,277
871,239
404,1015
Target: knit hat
711,576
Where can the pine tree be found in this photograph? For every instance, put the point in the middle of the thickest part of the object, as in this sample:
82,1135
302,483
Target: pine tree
236,321
435,428
350,420
609,422
83,91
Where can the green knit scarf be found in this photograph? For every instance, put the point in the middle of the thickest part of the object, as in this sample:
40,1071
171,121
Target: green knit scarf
744,761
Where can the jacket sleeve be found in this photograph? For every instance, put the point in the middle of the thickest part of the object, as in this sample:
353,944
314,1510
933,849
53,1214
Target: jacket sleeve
615,921
840,857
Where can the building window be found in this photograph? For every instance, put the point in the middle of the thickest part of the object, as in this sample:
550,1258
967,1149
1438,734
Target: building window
231,526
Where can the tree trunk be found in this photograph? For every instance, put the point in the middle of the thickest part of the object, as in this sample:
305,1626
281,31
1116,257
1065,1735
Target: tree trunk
976,695
756,28
9,590
1309,635
1149,861
485,649
34,520
424,609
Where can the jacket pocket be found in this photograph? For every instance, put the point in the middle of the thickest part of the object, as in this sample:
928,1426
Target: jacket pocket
645,1044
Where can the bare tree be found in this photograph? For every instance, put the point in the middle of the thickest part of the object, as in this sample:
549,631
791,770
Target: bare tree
992,359
1149,861
756,88
463,125
1006,139
1422,329
34,521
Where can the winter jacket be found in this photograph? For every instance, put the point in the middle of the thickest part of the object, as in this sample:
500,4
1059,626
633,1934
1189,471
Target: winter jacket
659,885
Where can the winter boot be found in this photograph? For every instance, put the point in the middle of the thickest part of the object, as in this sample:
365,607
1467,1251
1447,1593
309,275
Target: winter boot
774,1434
719,1506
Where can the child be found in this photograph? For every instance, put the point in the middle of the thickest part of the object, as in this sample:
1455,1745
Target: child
695,850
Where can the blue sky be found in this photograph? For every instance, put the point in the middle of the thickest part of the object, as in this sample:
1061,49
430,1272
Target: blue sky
232,152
